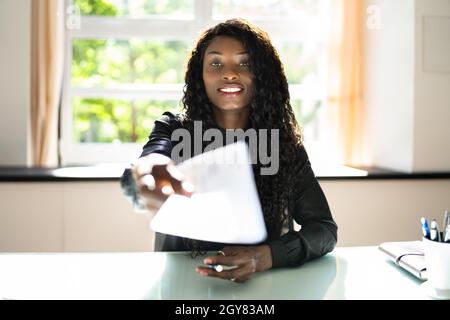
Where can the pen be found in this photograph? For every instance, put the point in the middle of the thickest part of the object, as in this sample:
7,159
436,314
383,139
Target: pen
220,267
447,236
425,229
446,219
446,231
434,231
217,267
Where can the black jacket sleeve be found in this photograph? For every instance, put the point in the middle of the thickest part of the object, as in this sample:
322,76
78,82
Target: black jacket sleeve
159,140
318,233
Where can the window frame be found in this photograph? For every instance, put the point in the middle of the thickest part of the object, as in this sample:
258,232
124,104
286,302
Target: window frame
156,28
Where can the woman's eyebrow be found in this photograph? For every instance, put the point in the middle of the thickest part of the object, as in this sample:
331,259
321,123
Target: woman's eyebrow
220,53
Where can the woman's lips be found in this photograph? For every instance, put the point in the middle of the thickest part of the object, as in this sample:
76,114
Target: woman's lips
230,91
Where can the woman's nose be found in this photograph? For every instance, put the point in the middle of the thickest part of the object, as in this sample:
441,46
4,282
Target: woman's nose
230,74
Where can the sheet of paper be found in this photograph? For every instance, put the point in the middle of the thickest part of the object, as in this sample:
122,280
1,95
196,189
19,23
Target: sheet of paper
225,206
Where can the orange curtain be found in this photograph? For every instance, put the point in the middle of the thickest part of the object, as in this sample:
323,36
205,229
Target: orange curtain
47,71
345,85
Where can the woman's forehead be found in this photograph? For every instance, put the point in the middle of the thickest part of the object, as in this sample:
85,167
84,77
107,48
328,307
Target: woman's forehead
222,44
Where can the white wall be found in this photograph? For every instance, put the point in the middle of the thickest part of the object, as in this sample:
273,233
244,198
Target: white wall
72,216
389,78
432,77
369,212
407,78
15,77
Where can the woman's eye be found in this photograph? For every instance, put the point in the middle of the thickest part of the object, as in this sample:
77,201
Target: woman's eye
216,64
244,64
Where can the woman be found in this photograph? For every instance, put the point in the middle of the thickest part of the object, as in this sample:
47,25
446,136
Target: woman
235,80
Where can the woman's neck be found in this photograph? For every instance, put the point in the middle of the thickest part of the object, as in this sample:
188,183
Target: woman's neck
232,119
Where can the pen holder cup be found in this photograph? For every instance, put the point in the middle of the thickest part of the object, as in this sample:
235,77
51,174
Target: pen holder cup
437,259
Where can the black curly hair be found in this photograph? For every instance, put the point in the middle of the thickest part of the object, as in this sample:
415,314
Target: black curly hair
270,109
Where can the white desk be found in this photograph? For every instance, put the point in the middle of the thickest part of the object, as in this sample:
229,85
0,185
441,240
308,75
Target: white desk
346,273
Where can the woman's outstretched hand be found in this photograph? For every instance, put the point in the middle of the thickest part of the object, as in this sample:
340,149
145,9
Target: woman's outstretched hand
246,261
156,178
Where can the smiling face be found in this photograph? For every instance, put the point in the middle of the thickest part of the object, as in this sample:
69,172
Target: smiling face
226,75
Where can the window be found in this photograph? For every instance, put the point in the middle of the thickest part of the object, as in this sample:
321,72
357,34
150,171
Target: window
125,63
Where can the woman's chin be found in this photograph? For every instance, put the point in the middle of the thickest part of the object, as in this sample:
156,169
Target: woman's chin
231,107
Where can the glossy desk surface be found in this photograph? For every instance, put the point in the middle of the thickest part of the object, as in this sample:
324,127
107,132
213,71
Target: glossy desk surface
346,273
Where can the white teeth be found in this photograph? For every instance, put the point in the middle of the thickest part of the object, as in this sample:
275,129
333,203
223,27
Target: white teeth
230,89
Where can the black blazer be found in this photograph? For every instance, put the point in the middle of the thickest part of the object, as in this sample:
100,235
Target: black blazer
318,233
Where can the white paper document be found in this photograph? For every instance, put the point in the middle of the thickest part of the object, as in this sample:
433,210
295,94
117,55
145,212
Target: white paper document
224,207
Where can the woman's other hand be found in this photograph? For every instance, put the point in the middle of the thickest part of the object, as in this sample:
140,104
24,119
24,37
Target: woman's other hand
247,261
156,178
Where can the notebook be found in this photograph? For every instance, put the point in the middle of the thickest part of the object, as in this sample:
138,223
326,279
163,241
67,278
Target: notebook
225,206
409,255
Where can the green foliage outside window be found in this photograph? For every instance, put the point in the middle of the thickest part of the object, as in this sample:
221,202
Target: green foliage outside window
111,62
114,120
135,8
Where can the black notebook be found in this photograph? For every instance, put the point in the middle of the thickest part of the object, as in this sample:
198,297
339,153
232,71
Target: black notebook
408,254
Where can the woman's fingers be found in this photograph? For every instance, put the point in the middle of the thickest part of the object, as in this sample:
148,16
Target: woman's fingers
157,178
240,274
231,256
232,251
144,165
169,180
178,182
242,257
151,196
149,182
166,177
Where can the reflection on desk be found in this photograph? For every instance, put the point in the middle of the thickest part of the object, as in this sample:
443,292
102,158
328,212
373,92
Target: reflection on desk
346,273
